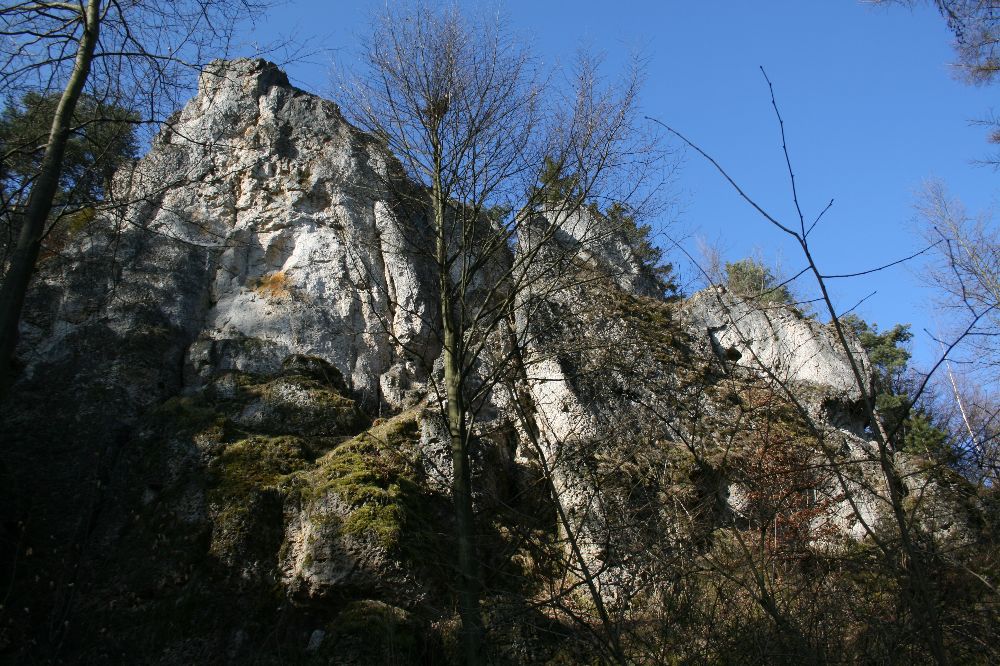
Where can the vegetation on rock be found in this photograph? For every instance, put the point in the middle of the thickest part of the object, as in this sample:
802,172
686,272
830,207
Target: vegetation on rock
272,448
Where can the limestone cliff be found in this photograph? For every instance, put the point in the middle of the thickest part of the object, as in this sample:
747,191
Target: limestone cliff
224,439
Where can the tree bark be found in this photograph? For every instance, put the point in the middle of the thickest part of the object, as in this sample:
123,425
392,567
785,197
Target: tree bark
468,593
25,255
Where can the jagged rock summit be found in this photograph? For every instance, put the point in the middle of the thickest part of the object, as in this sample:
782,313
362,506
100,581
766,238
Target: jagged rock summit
779,341
263,228
226,402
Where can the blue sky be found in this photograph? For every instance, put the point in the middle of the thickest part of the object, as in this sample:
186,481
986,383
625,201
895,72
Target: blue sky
871,109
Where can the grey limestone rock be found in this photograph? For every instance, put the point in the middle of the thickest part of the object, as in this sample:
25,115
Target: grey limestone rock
247,349
261,225
777,341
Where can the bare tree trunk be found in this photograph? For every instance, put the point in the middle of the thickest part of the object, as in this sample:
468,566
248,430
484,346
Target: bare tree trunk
468,593
22,264
472,624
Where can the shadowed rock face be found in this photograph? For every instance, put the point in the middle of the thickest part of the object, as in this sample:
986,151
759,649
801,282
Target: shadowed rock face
223,441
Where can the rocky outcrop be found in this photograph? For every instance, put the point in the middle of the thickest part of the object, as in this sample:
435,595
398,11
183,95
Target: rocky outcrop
252,302
262,225
230,381
778,342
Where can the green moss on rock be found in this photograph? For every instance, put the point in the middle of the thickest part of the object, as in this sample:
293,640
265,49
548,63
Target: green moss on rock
377,475
302,405
257,463
244,498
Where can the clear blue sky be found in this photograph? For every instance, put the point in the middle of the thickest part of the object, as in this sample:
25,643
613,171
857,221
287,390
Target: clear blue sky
870,104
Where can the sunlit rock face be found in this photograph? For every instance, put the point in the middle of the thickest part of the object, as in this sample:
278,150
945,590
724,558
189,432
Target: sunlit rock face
782,344
618,380
314,258
261,224
590,240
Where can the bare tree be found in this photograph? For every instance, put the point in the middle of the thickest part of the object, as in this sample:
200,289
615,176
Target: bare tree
968,271
966,275
908,550
502,158
139,56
